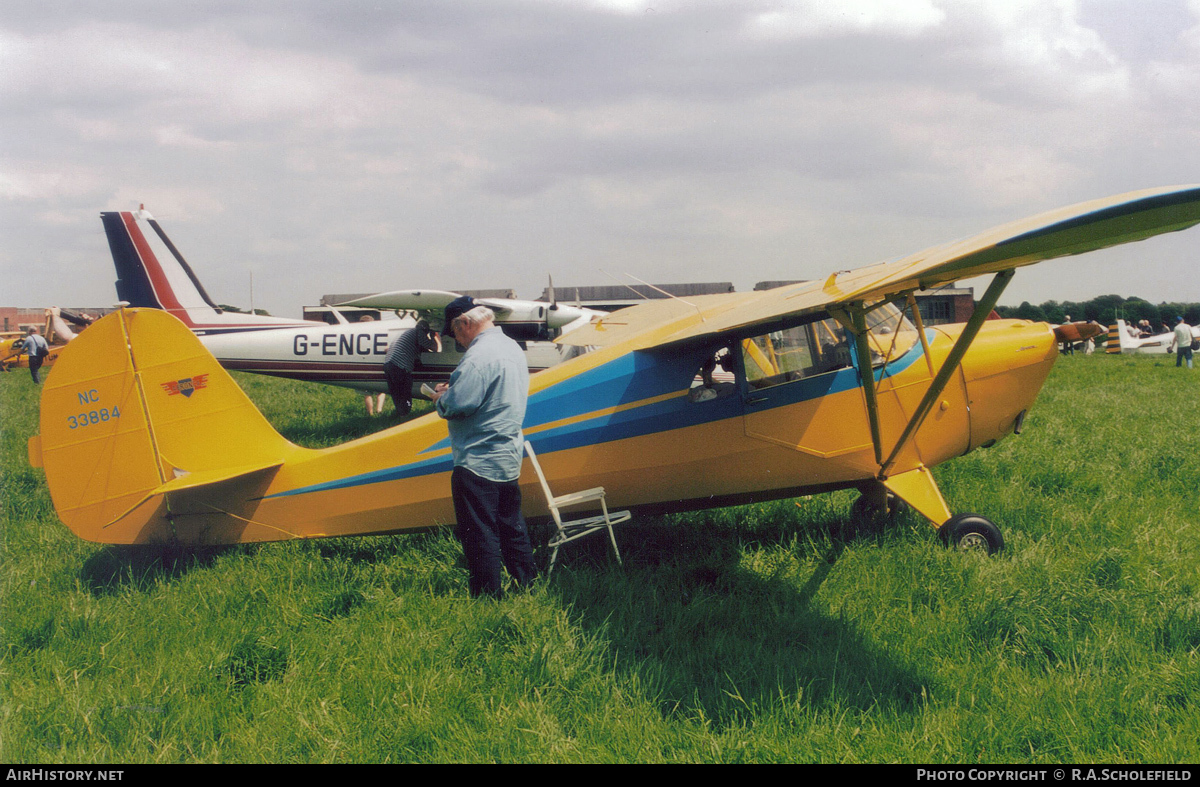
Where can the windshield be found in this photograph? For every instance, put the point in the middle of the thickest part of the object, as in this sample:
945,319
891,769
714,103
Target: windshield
889,334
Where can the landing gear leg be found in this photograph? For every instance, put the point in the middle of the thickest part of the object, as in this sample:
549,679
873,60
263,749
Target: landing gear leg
875,508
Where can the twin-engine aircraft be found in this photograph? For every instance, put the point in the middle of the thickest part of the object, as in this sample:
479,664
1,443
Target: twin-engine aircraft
151,273
146,439
522,320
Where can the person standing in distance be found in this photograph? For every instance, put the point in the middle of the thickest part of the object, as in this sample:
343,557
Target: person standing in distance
484,408
1182,342
37,350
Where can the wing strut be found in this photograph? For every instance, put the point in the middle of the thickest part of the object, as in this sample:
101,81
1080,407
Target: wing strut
916,313
858,317
982,310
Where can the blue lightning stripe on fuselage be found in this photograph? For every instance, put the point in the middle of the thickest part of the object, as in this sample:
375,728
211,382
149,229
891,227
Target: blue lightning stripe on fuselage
635,377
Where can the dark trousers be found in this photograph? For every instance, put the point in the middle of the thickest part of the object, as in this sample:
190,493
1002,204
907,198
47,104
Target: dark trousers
492,532
399,383
34,365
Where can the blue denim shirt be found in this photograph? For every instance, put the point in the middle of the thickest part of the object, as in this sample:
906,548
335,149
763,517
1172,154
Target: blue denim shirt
35,345
485,407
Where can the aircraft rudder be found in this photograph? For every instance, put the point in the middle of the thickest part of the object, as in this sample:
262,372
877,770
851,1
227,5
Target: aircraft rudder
152,273
136,403
202,417
133,282
94,441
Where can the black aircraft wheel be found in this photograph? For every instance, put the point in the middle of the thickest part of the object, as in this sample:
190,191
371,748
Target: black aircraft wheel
866,516
971,532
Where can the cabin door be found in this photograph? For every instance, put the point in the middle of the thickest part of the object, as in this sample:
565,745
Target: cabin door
801,390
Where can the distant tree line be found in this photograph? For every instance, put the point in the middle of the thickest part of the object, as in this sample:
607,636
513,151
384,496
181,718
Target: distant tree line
1105,309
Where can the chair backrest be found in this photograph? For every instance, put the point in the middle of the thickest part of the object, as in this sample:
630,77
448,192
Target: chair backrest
541,477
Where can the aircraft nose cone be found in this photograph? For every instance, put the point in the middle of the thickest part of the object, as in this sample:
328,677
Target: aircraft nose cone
563,315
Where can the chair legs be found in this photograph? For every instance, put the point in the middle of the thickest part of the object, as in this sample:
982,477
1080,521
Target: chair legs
564,533
612,538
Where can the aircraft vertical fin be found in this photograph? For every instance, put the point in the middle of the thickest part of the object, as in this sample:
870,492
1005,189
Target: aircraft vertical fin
136,408
133,284
182,263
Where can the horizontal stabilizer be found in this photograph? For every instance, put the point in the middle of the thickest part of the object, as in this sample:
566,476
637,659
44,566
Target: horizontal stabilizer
212,478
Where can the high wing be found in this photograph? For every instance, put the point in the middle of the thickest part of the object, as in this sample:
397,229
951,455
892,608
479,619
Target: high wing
1085,227
851,296
521,319
428,302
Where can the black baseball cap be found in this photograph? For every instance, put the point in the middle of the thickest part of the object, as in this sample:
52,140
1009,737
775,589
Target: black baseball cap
460,305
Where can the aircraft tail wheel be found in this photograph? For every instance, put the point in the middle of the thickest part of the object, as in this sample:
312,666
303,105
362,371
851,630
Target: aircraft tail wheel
970,532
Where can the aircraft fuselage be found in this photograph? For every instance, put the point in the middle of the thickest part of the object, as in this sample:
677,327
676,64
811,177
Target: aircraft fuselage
349,355
630,421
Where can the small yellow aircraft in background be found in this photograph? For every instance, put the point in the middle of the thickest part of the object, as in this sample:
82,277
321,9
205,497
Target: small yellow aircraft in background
827,385
56,332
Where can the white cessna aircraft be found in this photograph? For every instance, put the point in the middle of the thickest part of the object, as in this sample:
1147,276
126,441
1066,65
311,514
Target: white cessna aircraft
152,273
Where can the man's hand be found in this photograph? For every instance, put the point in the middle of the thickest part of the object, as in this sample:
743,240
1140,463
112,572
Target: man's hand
438,390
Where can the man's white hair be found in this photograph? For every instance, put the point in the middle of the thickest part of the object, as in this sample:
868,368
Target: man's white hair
476,316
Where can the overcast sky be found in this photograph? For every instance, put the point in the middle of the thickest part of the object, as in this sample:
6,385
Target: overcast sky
358,146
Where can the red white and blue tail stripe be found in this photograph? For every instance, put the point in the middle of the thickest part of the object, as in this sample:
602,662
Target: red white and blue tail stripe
151,273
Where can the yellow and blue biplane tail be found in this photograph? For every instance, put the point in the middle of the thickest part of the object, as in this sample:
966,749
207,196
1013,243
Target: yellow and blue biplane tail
139,423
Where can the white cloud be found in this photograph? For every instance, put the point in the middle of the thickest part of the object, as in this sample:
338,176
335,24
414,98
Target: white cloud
1044,45
813,18
201,74
46,181
362,144
181,204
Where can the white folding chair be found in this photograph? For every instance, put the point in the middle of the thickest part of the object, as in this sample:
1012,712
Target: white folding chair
576,528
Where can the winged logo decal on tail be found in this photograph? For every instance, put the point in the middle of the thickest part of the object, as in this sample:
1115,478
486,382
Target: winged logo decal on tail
187,386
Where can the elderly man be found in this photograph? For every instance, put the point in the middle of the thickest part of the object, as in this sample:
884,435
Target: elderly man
37,350
484,406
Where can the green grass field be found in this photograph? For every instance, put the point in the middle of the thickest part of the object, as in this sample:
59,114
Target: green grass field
756,634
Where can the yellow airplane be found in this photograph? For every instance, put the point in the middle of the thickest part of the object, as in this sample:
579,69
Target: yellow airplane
827,385
56,333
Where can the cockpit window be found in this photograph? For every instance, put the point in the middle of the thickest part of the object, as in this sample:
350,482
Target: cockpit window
824,346
795,353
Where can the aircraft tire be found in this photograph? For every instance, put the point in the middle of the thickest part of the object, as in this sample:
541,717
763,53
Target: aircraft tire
971,532
865,517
